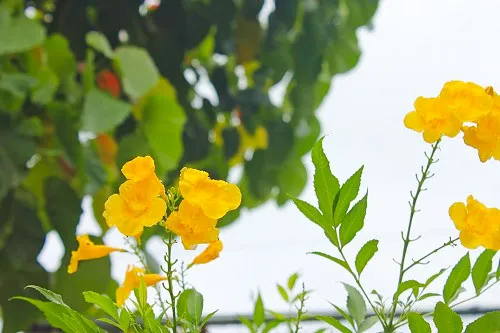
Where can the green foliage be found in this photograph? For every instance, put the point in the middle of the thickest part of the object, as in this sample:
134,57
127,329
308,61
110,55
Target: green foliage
365,254
446,320
489,323
458,275
481,269
418,324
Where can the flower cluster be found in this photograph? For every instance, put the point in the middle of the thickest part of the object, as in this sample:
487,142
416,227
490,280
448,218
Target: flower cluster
459,105
204,202
478,225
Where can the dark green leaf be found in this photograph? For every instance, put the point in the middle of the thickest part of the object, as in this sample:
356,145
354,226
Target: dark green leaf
348,192
99,42
259,315
335,260
163,125
405,285
446,320
355,304
334,322
458,275
102,113
489,323
365,254
418,324
326,185
353,221
481,269
309,211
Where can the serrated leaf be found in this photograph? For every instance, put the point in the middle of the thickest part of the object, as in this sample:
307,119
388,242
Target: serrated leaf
348,192
309,211
418,324
367,324
446,320
458,275
405,285
99,42
292,280
353,221
334,322
365,254
282,292
103,302
326,185
481,269
49,295
259,315
355,304
489,323
332,236
329,257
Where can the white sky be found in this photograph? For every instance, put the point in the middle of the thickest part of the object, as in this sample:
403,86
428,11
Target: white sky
415,47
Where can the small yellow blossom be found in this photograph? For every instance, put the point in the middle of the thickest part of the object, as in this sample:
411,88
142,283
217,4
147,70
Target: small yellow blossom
485,137
88,250
432,117
139,203
133,280
466,100
192,225
210,253
214,197
478,225
259,140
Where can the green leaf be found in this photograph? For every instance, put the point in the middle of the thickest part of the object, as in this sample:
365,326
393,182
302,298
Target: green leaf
130,146
418,324
283,293
309,211
245,321
138,71
49,295
19,34
434,277
60,58
270,325
326,185
292,178
45,90
458,275
292,280
99,42
446,320
102,113
365,254
190,306
353,221
424,296
207,318
343,314
367,324
355,304
489,323
103,302
334,322
164,118
360,12
405,285
481,269
343,53
348,192
259,315
335,260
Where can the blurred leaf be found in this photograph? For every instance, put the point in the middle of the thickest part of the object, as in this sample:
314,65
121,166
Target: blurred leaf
307,132
355,304
248,36
481,269
344,314
45,90
138,71
271,325
367,324
19,34
283,293
353,221
99,42
162,87
446,320
418,324
18,84
163,125
101,112
95,175
292,280
348,192
360,11
60,58
259,315
64,120
343,53
458,275
334,322
488,323
365,254
326,185
292,179
405,285
130,146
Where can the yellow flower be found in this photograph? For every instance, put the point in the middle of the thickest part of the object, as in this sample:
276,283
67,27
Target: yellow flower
468,101
88,250
210,253
138,203
485,137
192,225
259,140
433,118
133,280
478,225
214,197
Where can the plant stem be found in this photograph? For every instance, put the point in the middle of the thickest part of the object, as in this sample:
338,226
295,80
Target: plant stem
416,262
413,210
170,272
300,309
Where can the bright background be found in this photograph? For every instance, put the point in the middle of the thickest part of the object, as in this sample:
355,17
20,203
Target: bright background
414,48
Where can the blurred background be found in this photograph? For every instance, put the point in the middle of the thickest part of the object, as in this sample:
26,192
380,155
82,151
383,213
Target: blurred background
408,49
